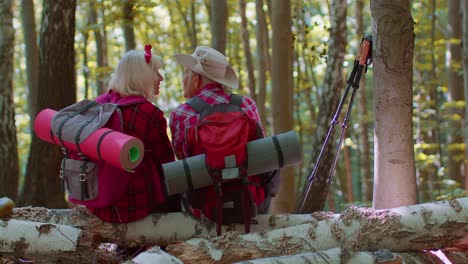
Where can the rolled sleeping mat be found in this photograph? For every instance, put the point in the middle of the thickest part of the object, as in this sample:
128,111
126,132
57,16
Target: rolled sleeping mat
264,155
116,148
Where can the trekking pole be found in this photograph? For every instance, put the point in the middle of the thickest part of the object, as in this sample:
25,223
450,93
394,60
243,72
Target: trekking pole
362,61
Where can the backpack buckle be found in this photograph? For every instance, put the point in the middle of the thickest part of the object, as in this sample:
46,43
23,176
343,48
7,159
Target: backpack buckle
64,151
82,177
81,155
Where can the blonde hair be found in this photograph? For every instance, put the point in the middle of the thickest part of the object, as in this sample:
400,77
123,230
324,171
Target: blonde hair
134,76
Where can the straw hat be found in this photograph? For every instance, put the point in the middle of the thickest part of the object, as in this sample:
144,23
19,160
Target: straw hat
210,63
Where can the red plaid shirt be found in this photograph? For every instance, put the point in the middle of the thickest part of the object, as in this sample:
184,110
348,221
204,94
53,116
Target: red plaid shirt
145,193
184,116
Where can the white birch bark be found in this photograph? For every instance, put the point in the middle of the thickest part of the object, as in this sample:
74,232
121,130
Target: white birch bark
411,228
154,255
393,44
45,241
154,229
339,256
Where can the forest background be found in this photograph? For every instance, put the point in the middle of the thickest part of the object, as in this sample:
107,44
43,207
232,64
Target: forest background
52,68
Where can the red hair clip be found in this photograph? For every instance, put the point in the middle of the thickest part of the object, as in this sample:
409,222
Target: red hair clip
148,48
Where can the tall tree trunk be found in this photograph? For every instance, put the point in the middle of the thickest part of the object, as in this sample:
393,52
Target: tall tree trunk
32,54
332,86
8,142
282,95
101,51
127,26
218,19
395,180
57,85
455,86
365,157
465,83
262,58
247,52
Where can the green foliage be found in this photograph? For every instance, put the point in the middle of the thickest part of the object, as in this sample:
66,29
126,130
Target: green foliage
168,26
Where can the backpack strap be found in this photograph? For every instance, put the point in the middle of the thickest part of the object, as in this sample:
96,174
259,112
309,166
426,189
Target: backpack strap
198,104
236,100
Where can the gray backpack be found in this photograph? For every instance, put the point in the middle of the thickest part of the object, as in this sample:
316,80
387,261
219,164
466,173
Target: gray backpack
93,183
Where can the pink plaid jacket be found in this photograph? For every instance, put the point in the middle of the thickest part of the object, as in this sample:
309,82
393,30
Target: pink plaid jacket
184,116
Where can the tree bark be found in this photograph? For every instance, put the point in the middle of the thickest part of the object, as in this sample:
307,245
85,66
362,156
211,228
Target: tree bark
465,83
262,59
395,179
411,228
101,48
338,256
29,232
218,18
57,84
455,86
247,52
282,95
44,242
8,142
127,26
32,54
158,229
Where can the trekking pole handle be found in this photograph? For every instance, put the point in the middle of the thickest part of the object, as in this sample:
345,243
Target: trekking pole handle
364,56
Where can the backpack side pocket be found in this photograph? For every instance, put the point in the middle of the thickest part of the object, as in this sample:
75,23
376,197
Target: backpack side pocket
80,178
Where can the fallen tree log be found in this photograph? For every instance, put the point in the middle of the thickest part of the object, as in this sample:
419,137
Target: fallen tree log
338,256
412,228
159,229
409,228
47,242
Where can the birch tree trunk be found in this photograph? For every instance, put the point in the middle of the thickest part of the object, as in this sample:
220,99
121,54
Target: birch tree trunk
8,142
411,228
282,94
395,180
339,256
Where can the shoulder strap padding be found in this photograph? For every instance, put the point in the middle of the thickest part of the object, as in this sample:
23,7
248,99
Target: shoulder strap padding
198,104
205,109
236,100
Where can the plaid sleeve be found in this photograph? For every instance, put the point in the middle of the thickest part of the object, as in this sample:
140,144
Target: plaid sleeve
176,122
250,108
163,147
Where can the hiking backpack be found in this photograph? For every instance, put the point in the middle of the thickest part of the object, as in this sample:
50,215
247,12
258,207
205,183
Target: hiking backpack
93,183
222,134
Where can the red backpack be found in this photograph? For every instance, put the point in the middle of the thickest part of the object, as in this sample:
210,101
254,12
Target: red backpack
222,134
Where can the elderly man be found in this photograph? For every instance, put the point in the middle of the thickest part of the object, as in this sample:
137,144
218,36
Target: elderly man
207,81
